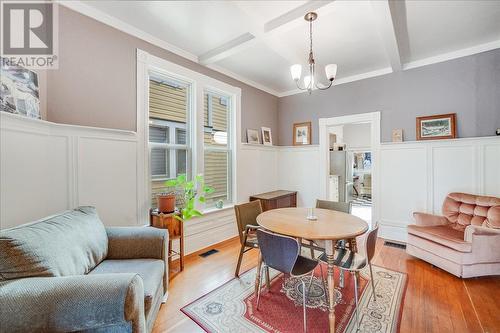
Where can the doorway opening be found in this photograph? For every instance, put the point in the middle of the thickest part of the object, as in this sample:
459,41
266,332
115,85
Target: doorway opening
349,145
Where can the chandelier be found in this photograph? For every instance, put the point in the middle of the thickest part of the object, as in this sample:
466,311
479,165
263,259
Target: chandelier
309,80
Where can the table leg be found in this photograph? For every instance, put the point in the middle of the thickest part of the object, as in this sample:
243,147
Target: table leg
330,251
354,245
257,275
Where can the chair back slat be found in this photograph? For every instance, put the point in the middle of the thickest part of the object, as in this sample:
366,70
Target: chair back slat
370,242
278,252
247,214
344,207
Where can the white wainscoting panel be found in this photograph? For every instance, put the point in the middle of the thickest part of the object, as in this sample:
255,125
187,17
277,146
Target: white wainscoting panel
34,175
107,178
298,170
47,168
491,169
403,187
257,170
453,170
417,176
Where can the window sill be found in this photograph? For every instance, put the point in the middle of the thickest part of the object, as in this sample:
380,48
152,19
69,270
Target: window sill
215,210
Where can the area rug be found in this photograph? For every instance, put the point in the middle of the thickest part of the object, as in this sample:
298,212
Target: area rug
232,306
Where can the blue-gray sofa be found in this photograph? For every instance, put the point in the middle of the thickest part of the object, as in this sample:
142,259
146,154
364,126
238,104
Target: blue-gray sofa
69,273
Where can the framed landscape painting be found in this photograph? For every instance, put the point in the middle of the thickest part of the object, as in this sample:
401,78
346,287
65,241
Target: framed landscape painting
440,126
302,134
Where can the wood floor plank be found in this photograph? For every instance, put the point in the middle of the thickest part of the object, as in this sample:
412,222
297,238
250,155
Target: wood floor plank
435,300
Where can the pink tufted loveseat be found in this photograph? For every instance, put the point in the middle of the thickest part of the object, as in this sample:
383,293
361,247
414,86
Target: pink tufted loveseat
465,241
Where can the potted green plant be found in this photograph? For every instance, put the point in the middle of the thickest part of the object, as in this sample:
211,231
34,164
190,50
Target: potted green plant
166,202
194,190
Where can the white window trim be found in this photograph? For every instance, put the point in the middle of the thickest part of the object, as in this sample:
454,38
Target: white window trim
199,83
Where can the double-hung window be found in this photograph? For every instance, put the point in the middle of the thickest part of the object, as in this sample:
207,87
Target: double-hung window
168,131
217,147
192,128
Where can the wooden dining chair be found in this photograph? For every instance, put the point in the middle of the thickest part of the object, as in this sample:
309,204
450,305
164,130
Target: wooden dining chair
246,218
344,207
282,254
354,262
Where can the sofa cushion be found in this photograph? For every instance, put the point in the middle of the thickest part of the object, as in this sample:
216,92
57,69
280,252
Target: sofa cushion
69,243
150,270
444,235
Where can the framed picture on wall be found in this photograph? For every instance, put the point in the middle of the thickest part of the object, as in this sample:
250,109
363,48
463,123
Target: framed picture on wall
267,138
19,91
253,136
302,134
441,126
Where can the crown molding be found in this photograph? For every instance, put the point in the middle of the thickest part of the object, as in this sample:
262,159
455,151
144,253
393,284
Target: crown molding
82,8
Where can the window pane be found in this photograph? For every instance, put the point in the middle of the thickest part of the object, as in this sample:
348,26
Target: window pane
215,113
168,100
180,136
169,114
181,159
217,174
158,134
159,162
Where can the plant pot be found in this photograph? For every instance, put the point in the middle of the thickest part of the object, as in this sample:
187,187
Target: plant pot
166,203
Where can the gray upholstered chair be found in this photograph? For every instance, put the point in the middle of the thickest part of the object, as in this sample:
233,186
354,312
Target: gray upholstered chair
354,262
282,254
246,218
68,272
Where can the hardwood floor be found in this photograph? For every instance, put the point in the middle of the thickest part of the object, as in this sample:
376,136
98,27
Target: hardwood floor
435,300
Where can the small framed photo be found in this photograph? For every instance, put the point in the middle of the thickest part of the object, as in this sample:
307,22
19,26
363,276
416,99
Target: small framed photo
302,134
397,135
267,138
253,136
440,126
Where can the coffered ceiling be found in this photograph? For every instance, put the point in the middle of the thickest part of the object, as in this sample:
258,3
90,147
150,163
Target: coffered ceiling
257,41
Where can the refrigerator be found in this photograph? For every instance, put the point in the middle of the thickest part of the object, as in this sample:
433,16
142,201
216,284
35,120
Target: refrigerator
341,174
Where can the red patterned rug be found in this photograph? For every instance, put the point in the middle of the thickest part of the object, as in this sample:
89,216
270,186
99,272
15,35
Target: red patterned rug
232,307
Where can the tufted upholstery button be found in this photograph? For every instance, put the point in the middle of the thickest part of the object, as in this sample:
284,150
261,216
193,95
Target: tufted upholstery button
464,209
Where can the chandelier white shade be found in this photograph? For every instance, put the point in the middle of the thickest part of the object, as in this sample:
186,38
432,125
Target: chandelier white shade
309,80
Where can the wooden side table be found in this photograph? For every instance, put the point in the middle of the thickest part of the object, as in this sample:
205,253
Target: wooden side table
276,199
175,231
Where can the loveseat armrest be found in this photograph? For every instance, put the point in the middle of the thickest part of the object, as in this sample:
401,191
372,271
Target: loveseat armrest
72,303
424,219
485,242
137,243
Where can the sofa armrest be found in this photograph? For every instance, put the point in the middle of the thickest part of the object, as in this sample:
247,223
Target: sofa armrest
425,219
72,303
137,243
485,242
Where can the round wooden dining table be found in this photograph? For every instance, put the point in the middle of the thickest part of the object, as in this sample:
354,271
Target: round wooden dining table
330,226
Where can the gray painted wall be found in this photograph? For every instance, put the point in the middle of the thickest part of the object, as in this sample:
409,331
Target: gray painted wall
95,84
469,87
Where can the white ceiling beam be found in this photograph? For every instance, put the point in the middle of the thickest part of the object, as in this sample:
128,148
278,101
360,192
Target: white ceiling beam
387,32
259,33
281,21
227,49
